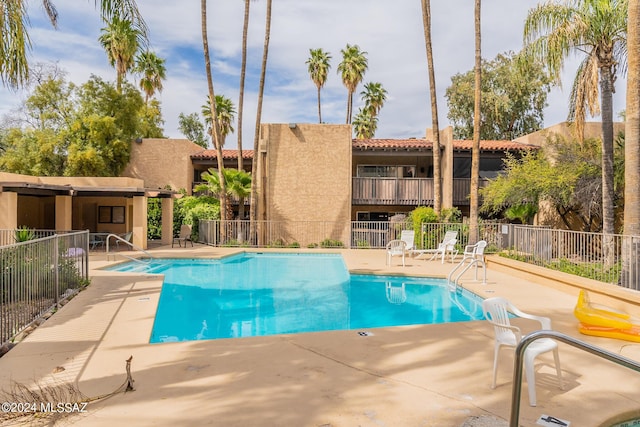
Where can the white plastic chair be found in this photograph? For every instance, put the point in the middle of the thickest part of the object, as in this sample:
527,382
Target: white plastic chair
496,311
396,248
448,245
408,236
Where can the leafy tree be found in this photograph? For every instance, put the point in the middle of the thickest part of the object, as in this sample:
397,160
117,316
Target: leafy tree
193,129
564,173
191,209
151,68
597,29
352,68
318,67
150,120
85,130
121,40
514,95
15,42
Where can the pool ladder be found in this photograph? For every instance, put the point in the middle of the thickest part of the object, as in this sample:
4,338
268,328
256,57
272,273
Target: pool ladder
453,284
519,358
137,248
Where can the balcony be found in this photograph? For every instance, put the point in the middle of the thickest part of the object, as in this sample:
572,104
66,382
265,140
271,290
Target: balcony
406,191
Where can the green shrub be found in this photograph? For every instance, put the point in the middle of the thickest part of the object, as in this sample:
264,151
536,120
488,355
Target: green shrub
331,243
450,215
154,218
312,245
293,245
24,234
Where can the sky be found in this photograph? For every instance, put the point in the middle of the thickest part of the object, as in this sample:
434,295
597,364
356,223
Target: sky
390,32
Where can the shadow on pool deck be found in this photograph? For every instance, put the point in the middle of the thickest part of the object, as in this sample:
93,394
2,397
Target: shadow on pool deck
431,375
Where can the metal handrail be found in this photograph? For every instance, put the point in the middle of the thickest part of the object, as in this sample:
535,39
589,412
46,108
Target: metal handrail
137,248
524,343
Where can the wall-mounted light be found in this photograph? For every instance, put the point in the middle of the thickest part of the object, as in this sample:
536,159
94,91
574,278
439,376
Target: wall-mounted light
293,125
153,193
138,140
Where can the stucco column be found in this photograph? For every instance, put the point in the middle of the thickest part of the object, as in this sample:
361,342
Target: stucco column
63,213
166,221
8,211
140,221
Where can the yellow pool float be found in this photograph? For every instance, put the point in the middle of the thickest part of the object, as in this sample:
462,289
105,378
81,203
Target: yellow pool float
605,321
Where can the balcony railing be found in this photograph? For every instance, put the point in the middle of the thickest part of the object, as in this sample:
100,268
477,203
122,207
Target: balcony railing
406,191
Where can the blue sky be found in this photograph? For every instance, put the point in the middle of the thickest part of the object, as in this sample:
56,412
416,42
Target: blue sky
390,32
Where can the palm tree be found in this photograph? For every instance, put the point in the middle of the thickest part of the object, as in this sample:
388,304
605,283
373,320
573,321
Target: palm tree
215,135
374,96
365,124
238,184
437,185
256,135
318,67
226,115
632,145
596,28
153,72
243,73
15,42
475,147
121,41
352,68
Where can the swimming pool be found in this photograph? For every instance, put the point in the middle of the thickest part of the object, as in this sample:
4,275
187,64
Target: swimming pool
257,294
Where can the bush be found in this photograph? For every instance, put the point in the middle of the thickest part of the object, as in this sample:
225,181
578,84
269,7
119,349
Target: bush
331,243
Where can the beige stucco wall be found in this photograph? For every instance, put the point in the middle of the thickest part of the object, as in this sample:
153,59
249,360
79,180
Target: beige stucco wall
163,162
307,177
567,130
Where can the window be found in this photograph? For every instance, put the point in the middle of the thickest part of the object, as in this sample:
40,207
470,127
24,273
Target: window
111,214
381,171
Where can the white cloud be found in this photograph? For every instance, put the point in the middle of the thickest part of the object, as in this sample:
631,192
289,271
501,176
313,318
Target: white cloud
391,33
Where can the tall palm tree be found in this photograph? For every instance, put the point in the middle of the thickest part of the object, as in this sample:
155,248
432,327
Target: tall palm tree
352,68
374,97
225,111
15,42
475,147
238,184
153,72
215,135
243,73
365,124
121,42
256,135
632,144
318,67
437,185
596,28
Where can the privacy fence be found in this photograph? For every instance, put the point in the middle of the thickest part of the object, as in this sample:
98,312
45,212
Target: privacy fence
611,259
36,275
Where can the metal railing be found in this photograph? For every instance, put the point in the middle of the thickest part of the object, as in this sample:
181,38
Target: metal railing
529,339
36,275
328,234
613,258
406,191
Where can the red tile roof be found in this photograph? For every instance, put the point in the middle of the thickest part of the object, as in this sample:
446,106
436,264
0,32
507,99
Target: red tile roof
226,154
389,145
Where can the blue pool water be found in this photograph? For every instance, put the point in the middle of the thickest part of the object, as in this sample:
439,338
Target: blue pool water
266,294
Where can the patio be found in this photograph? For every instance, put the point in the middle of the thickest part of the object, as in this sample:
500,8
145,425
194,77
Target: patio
433,375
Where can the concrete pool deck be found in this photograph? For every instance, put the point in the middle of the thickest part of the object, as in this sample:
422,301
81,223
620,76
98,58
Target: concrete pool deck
426,375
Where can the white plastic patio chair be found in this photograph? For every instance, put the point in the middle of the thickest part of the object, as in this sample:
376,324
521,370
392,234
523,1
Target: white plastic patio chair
396,248
496,311
447,246
408,236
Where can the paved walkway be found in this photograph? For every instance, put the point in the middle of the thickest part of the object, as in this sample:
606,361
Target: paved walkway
432,375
